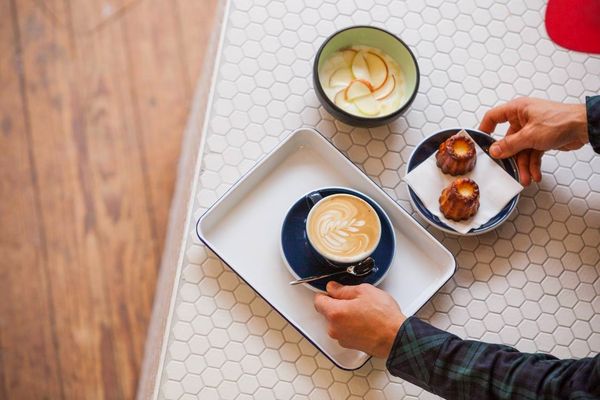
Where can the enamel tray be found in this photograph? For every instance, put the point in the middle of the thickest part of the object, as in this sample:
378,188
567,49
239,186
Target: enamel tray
243,228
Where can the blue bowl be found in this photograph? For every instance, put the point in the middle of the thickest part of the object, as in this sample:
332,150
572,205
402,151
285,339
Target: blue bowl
303,261
429,146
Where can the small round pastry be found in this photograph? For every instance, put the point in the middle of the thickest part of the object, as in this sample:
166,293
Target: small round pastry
456,155
460,200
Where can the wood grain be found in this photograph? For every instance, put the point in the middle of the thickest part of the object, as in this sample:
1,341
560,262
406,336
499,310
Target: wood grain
69,211
90,131
26,313
161,94
86,17
195,38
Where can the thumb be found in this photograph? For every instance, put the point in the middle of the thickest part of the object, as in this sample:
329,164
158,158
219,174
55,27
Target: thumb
510,145
341,292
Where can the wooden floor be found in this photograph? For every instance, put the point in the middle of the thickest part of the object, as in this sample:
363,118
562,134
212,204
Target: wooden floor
93,101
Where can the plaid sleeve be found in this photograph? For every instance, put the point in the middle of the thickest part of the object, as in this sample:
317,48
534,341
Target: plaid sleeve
453,368
593,117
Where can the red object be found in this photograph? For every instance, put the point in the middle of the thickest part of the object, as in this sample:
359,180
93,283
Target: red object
574,24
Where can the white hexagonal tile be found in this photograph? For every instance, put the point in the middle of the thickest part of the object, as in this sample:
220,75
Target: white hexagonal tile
531,283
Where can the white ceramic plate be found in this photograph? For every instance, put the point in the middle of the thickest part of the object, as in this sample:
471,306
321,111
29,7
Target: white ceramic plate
243,228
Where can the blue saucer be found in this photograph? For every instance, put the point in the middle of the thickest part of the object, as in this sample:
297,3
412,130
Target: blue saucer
303,261
429,146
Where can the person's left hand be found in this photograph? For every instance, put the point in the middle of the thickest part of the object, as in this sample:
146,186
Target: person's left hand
361,317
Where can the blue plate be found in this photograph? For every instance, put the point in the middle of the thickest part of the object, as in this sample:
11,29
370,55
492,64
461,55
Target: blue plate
429,146
303,261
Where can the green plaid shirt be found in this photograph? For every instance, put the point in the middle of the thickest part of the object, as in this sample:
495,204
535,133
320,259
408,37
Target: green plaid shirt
453,368
593,119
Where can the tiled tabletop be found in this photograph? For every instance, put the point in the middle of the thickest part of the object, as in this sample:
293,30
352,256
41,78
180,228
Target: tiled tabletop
533,283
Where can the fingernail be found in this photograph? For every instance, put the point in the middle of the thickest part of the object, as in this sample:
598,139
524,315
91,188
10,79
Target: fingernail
495,150
333,284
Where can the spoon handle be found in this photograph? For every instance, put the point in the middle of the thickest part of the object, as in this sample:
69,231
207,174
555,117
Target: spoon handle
316,277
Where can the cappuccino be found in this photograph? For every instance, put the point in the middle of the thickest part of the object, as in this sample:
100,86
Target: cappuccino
343,228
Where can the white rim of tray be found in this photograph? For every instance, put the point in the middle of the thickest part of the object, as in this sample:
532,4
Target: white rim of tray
377,187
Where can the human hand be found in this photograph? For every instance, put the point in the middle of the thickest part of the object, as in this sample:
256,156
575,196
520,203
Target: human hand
360,317
536,125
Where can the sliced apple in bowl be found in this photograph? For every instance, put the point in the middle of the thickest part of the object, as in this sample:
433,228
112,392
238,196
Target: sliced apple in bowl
378,70
348,56
386,89
357,88
341,102
367,105
360,69
341,77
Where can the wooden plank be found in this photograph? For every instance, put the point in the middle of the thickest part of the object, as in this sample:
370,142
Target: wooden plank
85,17
29,367
125,229
162,99
69,217
197,20
96,215
92,153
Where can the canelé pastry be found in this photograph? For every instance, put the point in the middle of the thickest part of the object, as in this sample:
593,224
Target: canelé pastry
456,156
460,200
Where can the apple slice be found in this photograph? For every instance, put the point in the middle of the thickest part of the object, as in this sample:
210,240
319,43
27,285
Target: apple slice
378,69
325,73
386,89
356,89
360,69
368,105
340,101
340,77
348,55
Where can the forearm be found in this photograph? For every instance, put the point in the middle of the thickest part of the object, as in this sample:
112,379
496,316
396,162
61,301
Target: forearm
455,369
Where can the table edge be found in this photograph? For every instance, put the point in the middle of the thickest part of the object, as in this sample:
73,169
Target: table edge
183,196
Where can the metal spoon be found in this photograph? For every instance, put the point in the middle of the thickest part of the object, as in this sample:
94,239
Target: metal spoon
363,268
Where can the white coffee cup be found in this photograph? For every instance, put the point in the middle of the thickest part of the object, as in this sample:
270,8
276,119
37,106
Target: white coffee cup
343,228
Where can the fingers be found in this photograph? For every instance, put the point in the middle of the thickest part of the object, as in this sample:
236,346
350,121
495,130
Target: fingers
507,112
328,304
535,165
495,151
324,304
342,292
493,117
523,164
511,144
497,115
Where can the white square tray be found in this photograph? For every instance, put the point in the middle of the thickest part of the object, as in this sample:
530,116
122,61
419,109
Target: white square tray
243,228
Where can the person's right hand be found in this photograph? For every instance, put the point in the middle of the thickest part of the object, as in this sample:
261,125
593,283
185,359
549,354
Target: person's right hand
536,125
360,317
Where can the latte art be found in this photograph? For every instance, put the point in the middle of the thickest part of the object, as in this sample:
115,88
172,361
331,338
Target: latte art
344,227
